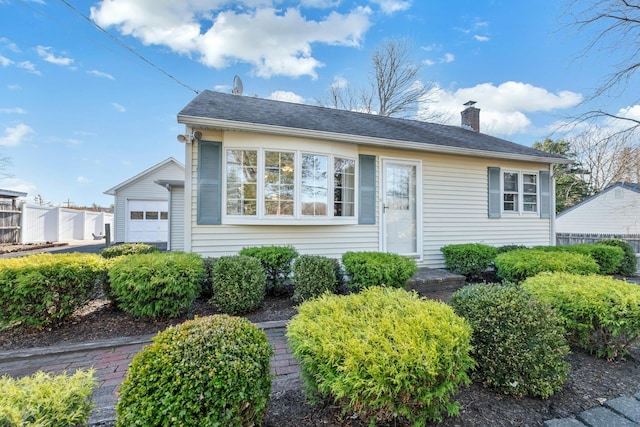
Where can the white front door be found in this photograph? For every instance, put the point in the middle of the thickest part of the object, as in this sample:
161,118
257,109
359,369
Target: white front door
400,213
148,221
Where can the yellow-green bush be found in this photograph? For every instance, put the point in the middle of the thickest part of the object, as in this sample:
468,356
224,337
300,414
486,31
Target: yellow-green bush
121,249
378,268
46,400
601,314
609,258
45,289
210,371
383,353
515,266
518,341
156,285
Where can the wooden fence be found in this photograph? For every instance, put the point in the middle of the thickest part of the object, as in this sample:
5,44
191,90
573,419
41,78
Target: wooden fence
9,224
575,238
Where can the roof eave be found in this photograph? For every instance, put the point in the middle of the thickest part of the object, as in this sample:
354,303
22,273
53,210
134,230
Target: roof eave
195,121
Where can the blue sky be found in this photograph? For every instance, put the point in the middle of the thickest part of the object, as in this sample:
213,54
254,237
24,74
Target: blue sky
80,112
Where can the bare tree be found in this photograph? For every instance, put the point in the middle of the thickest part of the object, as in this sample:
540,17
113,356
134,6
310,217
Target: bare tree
395,88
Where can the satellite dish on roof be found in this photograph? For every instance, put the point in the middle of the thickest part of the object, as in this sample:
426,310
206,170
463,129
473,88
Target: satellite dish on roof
237,86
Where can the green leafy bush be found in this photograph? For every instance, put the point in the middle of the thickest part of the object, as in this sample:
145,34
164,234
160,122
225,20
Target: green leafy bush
518,341
469,259
509,248
378,268
608,258
515,266
206,290
156,285
629,264
44,399
238,284
383,353
128,249
43,290
210,371
601,314
313,276
276,261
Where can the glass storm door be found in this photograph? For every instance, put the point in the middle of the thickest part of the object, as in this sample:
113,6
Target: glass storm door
399,207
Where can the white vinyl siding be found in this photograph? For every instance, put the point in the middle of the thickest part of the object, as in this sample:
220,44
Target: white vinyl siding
176,219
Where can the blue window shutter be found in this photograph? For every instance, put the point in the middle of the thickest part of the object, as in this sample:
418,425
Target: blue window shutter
209,182
367,185
545,194
494,197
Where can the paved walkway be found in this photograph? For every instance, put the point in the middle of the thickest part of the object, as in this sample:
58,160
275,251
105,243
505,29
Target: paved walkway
110,358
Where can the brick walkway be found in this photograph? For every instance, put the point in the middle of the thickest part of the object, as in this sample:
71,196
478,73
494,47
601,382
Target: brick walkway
110,359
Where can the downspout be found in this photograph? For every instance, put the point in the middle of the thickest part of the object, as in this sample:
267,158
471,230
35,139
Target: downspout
552,214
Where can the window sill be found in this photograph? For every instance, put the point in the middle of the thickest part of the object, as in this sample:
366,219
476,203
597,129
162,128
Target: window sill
289,221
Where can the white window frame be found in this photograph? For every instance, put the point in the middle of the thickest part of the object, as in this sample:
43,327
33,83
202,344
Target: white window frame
297,218
520,194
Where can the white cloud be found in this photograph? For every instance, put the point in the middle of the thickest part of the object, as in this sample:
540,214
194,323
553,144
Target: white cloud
101,74
428,62
83,180
504,107
390,7
4,61
16,135
281,95
17,184
29,66
447,58
630,112
320,4
14,87
274,41
9,45
46,54
16,110
119,108
339,82
481,38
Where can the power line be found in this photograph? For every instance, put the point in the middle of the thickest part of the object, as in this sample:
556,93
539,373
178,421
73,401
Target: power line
125,46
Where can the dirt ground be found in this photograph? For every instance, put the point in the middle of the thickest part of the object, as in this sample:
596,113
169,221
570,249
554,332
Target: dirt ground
591,382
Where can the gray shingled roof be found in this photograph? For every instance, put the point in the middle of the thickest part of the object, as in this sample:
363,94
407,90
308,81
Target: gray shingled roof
245,109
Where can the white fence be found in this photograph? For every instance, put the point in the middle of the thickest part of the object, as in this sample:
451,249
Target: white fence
50,224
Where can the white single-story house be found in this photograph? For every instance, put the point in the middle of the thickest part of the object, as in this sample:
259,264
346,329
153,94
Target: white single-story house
142,206
614,210
327,181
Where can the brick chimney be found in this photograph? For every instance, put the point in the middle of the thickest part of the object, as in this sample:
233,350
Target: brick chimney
471,116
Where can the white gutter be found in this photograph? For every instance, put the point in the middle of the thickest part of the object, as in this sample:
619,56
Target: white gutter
357,139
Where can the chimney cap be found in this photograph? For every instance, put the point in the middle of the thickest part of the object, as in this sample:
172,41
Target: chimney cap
469,103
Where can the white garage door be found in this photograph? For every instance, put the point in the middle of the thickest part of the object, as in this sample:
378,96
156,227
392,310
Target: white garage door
148,221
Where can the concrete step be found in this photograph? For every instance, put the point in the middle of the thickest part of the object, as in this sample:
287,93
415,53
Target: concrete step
428,280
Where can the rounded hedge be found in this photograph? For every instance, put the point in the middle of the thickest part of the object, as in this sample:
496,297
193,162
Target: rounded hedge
238,284
312,276
378,269
469,259
210,371
629,264
516,266
384,353
518,341
156,285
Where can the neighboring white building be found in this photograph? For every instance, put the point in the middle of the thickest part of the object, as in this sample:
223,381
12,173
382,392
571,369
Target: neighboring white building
614,210
142,206
327,181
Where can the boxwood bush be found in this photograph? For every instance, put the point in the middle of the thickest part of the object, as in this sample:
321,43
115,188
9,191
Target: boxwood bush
156,285
383,353
44,399
515,266
312,276
469,259
43,290
276,261
608,258
629,264
121,249
601,314
238,284
210,371
378,268
518,341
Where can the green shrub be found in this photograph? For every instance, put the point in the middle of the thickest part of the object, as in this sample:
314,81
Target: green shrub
43,290
238,283
276,261
313,276
629,264
378,268
469,259
156,285
509,248
384,353
206,290
518,341
47,400
601,314
515,266
608,258
210,371
121,249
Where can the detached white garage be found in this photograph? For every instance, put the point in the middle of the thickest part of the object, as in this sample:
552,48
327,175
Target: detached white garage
142,206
